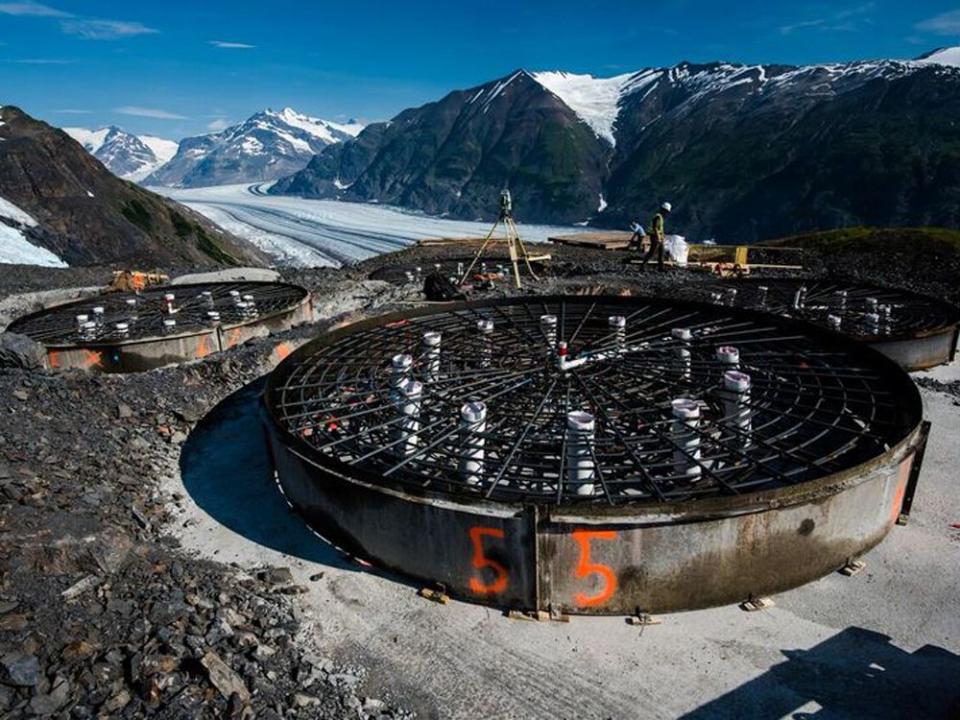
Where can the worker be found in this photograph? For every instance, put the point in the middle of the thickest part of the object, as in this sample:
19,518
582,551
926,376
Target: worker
657,236
636,240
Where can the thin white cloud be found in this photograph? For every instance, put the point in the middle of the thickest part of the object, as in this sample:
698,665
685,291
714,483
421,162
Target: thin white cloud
32,9
42,61
105,29
218,125
231,45
793,27
947,23
846,20
156,113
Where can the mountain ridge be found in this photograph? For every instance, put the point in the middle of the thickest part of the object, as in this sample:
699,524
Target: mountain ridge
267,145
653,134
60,198
128,156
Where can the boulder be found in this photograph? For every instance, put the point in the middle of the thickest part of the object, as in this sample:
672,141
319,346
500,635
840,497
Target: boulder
19,351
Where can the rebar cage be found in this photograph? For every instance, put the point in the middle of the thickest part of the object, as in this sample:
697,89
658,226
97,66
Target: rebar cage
115,318
451,268
589,400
865,312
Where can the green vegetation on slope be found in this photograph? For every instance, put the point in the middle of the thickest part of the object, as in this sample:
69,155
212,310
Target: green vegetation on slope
134,211
209,247
924,259
868,239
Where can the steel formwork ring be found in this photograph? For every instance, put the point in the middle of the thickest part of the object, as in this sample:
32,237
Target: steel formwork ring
595,454
915,330
133,331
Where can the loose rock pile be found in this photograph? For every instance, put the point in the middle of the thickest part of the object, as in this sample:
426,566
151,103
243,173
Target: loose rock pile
101,615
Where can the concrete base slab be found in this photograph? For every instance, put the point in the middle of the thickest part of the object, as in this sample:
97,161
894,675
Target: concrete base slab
883,646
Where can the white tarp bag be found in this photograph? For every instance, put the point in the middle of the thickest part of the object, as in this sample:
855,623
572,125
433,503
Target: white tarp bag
676,247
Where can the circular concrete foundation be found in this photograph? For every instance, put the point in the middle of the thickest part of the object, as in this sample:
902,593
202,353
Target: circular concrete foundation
595,454
914,330
130,332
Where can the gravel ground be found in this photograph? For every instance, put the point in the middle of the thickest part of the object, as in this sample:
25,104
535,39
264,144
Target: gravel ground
104,614
101,615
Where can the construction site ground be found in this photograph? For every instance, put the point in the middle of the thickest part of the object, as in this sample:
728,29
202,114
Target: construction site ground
884,643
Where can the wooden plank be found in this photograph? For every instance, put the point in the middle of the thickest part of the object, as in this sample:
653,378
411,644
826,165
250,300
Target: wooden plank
611,240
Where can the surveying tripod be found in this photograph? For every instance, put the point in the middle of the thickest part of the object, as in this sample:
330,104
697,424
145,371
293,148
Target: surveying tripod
515,245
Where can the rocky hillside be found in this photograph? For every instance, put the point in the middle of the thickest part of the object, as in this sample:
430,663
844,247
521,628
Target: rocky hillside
453,157
743,152
267,146
64,201
129,156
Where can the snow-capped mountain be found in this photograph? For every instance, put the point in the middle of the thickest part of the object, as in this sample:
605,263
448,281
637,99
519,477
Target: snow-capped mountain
266,146
129,156
59,204
743,151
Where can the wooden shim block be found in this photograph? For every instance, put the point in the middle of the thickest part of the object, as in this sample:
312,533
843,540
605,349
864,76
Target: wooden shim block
852,568
644,619
434,595
755,604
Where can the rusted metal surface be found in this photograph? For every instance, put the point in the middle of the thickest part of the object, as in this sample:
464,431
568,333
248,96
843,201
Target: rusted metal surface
607,558
485,553
922,352
921,332
690,562
651,559
112,354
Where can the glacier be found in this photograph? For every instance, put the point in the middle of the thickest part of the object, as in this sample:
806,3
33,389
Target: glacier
307,233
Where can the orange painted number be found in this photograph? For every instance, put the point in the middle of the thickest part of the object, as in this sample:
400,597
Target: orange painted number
903,475
585,567
203,346
91,358
481,561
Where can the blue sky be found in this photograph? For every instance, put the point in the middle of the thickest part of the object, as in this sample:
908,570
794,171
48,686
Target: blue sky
179,68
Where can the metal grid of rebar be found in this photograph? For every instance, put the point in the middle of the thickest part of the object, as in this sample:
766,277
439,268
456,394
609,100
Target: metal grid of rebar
814,406
858,310
449,268
125,316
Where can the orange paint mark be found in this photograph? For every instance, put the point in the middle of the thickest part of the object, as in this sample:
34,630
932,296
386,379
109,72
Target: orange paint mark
92,358
233,338
282,350
585,567
481,561
903,474
203,346
53,358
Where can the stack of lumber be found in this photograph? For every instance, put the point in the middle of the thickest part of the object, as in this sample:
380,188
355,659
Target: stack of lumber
609,240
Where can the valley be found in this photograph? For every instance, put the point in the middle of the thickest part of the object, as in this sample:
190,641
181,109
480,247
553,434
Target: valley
303,232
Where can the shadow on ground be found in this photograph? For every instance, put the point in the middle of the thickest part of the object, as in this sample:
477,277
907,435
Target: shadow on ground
226,468
857,673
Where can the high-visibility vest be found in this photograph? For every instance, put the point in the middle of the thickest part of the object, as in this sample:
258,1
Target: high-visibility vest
656,227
